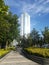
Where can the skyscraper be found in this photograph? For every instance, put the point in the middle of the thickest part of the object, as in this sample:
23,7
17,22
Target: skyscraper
24,24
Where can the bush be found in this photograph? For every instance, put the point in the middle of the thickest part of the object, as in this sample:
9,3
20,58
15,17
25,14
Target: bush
11,48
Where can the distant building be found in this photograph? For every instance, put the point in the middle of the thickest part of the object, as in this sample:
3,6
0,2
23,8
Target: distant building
24,24
14,43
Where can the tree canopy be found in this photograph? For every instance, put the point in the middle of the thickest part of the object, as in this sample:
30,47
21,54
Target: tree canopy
9,27
45,34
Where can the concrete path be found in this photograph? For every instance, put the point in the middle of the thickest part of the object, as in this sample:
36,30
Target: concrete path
15,58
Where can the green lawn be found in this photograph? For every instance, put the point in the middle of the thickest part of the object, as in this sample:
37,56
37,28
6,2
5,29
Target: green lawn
3,52
42,52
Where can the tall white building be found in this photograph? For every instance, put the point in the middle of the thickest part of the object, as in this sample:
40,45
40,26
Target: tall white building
24,24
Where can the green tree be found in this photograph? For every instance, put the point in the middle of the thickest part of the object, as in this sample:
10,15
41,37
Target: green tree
29,41
4,30
35,36
14,29
24,42
3,8
8,25
4,25
45,34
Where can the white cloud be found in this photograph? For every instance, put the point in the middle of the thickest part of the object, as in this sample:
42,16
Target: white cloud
34,8
11,3
47,1
41,1
46,10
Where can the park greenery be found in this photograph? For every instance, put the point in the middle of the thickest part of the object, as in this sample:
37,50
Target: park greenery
9,27
36,39
33,44
3,52
40,52
9,30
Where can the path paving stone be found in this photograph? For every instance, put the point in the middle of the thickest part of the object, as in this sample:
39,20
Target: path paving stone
15,58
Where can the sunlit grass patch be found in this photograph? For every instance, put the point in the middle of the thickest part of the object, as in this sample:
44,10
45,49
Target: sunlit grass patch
3,52
42,52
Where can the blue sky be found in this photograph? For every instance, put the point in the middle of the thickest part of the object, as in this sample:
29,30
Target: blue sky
37,9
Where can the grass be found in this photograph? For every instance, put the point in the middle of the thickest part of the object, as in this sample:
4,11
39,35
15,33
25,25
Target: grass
42,52
3,52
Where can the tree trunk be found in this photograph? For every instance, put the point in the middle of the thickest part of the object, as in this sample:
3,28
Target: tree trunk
6,45
0,46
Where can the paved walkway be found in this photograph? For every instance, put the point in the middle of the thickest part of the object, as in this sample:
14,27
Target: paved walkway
14,58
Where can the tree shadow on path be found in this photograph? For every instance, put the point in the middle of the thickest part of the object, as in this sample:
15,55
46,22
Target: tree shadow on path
20,50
